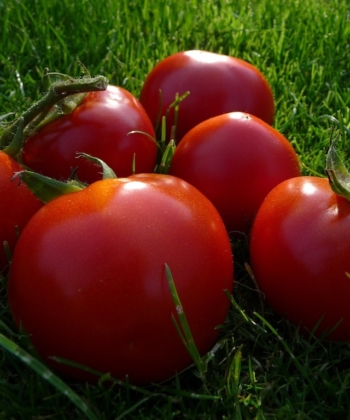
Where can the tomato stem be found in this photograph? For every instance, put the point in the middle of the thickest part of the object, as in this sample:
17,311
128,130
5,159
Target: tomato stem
56,94
15,146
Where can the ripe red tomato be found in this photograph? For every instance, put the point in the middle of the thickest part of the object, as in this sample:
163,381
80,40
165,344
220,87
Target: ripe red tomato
88,278
17,205
217,83
299,250
235,159
99,127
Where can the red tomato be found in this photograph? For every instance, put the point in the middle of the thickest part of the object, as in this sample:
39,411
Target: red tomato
88,276
17,205
300,247
99,127
217,83
235,159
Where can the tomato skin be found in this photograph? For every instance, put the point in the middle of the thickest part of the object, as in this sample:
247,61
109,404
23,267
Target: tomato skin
88,276
217,83
17,205
99,127
299,250
235,159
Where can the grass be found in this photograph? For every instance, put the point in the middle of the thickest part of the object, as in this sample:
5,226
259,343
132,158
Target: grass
262,367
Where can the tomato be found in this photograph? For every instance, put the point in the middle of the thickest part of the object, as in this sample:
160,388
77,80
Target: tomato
217,83
17,205
235,159
88,278
99,127
299,250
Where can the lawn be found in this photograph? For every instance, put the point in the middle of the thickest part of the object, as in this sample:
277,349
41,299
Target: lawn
263,368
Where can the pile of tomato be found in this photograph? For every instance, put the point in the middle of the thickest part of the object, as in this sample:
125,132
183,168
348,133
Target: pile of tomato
103,193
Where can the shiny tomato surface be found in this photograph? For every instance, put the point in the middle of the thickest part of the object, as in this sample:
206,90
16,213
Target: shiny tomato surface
88,278
100,127
235,159
217,83
300,248
17,205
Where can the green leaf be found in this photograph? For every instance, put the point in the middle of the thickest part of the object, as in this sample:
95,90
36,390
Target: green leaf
338,175
45,188
107,172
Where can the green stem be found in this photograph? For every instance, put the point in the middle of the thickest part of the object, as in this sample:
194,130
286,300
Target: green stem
15,146
56,93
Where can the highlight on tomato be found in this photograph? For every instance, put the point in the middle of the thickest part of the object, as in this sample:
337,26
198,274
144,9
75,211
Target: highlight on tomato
235,159
299,251
88,279
217,84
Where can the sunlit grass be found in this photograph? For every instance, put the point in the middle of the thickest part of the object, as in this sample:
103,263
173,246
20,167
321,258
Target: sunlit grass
262,368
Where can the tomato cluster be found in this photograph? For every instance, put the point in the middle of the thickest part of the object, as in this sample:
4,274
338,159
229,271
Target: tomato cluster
88,280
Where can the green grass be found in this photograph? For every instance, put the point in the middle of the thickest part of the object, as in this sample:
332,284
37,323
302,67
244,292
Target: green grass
262,368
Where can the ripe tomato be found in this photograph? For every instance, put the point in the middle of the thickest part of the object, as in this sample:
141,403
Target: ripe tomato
17,205
299,250
99,127
235,159
217,83
88,278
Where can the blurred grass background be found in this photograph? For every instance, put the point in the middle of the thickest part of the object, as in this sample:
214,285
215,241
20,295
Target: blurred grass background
263,369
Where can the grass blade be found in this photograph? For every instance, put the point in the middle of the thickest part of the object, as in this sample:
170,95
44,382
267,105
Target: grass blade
46,374
183,327
295,360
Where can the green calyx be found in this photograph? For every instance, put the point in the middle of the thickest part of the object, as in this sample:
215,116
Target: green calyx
338,175
47,189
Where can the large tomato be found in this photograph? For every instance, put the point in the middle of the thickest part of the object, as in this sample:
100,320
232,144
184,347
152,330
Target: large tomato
100,126
88,279
217,84
300,254
17,205
235,159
